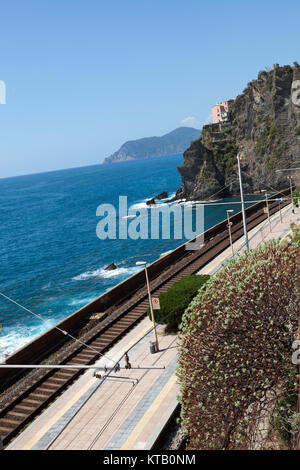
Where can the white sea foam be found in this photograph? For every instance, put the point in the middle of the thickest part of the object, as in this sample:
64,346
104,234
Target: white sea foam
102,273
140,205
158,202
16,337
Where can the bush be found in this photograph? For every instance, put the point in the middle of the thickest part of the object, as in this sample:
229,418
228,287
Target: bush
295,236
296,197
236,346
174,302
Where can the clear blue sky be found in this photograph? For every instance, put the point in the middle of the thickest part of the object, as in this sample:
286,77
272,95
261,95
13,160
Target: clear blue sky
84,76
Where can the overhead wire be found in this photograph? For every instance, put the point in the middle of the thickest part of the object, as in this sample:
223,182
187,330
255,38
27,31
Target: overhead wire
64,332
93,282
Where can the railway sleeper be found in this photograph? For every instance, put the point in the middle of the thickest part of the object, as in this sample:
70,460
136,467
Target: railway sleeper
8,423
38,395
4,430
27,408
16,417
66,374
47,387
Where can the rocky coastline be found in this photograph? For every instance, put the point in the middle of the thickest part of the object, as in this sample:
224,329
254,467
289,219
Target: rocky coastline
264,128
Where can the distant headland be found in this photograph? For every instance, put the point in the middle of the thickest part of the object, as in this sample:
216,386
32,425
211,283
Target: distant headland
174,142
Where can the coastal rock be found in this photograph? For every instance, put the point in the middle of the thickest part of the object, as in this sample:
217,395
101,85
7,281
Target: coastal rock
151,202
162,195
110,267
264,129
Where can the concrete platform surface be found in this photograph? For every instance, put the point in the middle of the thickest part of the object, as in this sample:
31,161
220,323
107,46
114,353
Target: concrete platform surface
121,413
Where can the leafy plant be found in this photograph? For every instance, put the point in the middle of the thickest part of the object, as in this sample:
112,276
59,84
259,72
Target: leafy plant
174,302
295,235
236,343
296,197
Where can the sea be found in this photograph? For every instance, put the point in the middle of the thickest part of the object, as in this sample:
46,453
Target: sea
52,261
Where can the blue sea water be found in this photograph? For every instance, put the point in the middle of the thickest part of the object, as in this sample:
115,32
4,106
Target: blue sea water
51,259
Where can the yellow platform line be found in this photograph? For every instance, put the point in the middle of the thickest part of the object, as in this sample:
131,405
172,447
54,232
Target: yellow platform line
73,400
57,416
133,436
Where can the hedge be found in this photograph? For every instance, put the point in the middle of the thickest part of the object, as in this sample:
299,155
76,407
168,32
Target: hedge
236,344
174,302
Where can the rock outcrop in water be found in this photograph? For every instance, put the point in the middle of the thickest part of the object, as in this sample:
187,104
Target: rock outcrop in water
264,128
172,143
110,267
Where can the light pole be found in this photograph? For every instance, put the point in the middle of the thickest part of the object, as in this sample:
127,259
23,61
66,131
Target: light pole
291,189
144,263
279,201
229,211
243,204
290,178
268,210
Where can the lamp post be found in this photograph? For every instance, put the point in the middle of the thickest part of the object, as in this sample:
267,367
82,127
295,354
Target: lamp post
144,263
229,211
291,189
290,178
268,210
279,201
243,205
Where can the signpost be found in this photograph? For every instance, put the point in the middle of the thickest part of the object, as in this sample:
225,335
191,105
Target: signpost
155,303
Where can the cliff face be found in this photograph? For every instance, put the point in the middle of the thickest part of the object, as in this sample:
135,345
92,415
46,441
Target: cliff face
173,142
264,128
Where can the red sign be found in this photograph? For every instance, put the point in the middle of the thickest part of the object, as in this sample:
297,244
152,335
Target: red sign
155,303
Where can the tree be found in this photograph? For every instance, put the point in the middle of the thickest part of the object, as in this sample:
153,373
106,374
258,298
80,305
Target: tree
236,345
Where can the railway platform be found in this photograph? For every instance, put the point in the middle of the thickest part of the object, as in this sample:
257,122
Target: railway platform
125,412
129,410
280,228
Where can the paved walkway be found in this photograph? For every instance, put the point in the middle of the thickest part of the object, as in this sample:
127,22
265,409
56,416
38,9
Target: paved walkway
120,413
128,410
280,228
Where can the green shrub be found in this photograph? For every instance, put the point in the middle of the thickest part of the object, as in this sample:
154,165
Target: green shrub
295,236
235,349
298,131
174,302
296,197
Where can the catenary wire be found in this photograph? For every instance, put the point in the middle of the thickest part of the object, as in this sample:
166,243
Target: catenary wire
56,327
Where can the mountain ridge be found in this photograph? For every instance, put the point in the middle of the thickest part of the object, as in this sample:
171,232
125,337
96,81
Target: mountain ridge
173,142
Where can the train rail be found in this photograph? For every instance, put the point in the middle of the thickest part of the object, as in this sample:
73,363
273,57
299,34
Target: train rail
43,388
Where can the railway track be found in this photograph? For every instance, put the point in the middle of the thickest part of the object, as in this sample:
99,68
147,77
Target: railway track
46,387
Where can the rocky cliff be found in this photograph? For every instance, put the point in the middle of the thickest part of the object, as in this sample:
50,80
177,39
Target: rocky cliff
264,128
173,142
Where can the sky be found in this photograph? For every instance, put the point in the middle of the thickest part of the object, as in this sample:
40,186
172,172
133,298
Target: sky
84,76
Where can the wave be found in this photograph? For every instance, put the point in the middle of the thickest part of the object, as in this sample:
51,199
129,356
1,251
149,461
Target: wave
142,204
13,338
81,301
102,273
